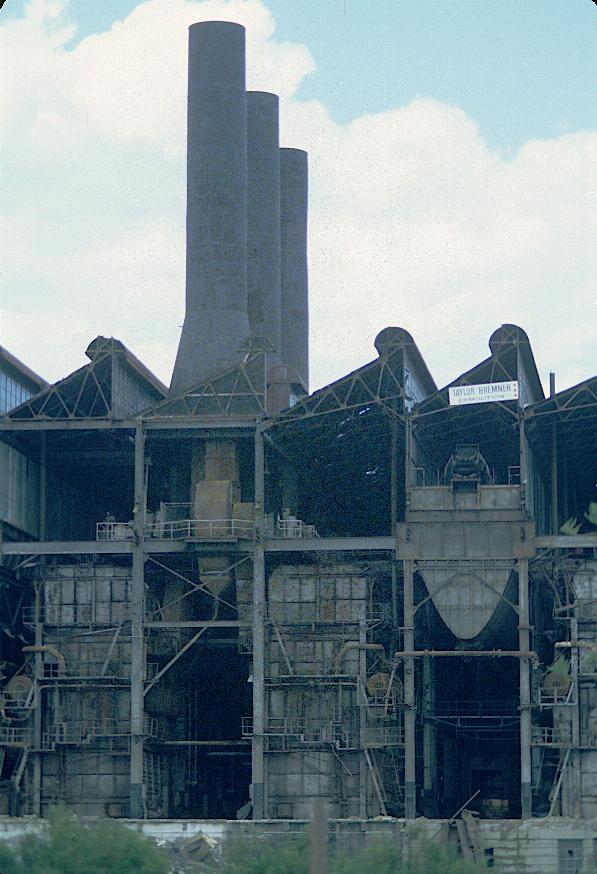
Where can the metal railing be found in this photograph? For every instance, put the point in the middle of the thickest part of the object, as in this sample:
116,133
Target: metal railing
384,735
19,700
14,736
179,529
114,531
290,528
555,697
551,737
84,731
63,614
201,529
514,475
309,732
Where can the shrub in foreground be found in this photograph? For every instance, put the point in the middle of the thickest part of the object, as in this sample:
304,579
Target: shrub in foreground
69,847
291,856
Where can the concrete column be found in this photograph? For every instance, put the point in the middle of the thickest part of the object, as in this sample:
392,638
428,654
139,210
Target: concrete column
429,739
137,606
575,755
362,711
259,605
263,219
409,695
37,701
318,838
525,689
216,320
294,271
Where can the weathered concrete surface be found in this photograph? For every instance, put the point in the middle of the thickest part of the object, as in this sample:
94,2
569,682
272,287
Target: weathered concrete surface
263,218
293,223
216,320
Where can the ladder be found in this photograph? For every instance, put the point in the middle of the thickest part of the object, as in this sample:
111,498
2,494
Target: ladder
557,784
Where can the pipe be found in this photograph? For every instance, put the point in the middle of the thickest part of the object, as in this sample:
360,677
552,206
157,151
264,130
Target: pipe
354,645
495,653
578,644
47,647
294,269
216,320
263,219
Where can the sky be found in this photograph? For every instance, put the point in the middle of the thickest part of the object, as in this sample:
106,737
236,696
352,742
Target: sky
453,174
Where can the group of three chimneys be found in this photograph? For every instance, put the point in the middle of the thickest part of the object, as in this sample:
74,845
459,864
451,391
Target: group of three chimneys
246,249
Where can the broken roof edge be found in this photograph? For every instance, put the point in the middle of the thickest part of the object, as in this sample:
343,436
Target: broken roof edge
99,348
22,368
553,403
504,336
106,345
514,334
388,341
392,337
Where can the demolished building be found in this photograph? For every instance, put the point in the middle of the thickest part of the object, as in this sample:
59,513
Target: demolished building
230,597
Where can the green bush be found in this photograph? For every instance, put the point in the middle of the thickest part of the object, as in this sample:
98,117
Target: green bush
286,856
69,847
291,856
387,859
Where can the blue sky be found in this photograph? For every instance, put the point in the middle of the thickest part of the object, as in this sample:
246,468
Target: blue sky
453,150
520,68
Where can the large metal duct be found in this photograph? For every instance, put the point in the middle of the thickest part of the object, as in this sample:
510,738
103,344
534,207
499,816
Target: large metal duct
216,319
294,277
263,219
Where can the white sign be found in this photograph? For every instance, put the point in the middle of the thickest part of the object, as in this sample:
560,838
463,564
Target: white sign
482,394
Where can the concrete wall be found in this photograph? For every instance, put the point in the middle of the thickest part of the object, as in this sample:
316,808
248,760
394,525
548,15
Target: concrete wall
19,490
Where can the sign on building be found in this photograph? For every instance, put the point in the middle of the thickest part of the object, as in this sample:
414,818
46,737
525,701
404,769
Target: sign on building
482,394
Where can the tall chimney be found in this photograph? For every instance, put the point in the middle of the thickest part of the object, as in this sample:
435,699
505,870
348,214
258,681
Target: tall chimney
263,219
216,319
294,281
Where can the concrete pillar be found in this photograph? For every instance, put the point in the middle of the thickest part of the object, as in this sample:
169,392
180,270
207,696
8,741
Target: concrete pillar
259,605
429,739
37,700
409,695
362,711
294,273
216,320
137,607
525,690
318,838
263,219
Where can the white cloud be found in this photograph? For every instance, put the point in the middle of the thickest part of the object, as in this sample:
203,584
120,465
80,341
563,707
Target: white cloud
414,220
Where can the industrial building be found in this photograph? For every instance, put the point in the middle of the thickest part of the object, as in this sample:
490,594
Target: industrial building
226,598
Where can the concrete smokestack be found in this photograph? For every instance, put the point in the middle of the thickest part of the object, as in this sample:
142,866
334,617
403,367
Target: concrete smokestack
263,218
216,319
294,281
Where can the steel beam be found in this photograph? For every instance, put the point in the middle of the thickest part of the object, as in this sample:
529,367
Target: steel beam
89,547
197,423
553,479
333,544
64,424
564,541
211,623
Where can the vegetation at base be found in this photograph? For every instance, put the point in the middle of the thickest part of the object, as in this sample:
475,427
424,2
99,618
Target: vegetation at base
70,847
291,856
